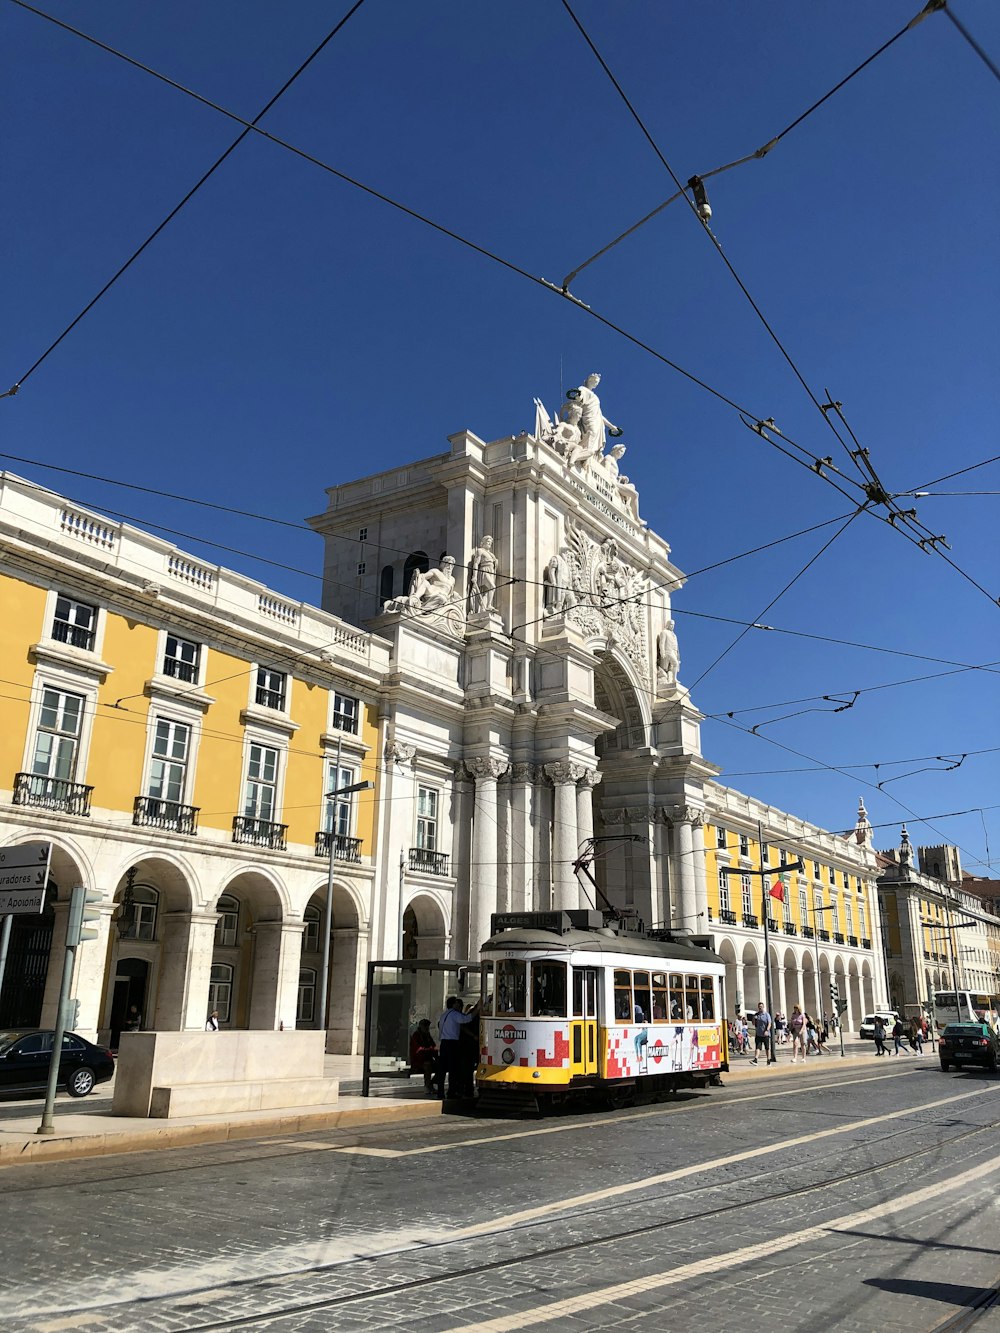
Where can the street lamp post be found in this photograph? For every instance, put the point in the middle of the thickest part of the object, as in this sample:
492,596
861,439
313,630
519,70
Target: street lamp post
328,923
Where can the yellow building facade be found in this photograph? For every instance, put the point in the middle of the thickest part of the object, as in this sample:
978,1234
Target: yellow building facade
173,729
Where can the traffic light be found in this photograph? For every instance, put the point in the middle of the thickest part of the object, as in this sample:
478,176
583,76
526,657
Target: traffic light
80,912
71,1015
839,1005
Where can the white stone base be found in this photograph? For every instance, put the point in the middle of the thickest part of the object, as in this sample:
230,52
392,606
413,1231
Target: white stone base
193,1073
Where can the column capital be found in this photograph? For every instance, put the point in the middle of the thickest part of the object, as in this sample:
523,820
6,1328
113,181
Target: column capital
590,777
564,772
487,770
523,773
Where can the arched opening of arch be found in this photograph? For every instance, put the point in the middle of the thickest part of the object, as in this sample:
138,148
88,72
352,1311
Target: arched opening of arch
148,947
792,982
345,978
867,989
753,978
856,1002
30,992
734,968
633,876
252,981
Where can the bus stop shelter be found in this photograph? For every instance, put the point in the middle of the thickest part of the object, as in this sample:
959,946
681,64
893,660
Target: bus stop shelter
401,992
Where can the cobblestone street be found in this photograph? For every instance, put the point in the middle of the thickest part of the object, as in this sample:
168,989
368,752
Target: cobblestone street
850,1199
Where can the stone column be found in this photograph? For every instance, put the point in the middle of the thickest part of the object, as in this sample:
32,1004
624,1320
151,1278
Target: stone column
522,868
90,972
686,917
565,839
781,998
585,806
187,941
274,986
53,977
697,818
483,878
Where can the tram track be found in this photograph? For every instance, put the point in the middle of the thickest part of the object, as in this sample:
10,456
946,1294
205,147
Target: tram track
399,1290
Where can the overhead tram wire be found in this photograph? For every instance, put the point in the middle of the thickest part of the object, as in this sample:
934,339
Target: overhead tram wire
808,458
872,484
190,194
990,64
755,156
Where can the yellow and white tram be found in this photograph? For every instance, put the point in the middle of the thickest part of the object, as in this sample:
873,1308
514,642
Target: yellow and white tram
570,1004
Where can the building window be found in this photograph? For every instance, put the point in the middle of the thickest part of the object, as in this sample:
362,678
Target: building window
310,936
261,799
362,534
815,870
145,902
427,819
803,908
58,735
227,928
338,811
305,1005
220,990
746,889
361,566
181,659
782,857
720,837
271,688
345,713
861,921
744,845
849,915
385,583
74,623
168,770
723,892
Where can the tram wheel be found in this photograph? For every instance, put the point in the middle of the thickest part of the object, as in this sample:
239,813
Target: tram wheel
618,1098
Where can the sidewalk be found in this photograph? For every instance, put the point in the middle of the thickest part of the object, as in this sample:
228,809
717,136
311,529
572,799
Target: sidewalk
86,1128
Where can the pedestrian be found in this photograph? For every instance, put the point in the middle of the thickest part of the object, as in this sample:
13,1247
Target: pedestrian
898,1033
134,1020
450,1026
423,1053
879,1032
811,1043
744,1035
916,1036
761,1033
797,1029
213,1021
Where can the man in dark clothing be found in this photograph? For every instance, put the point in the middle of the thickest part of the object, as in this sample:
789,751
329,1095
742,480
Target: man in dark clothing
761,1033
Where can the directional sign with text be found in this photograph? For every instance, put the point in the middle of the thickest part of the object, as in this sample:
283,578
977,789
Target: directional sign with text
24,872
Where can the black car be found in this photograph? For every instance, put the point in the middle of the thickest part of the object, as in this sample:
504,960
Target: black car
25,1054
969,1044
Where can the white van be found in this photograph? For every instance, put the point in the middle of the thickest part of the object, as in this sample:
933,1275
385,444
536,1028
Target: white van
888,1017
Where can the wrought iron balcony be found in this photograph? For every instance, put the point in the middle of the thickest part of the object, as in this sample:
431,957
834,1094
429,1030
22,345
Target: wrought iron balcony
789,928
750,922
259,832
808,932
825,936
152,812
866,944
78,636
727,918
344,848
433,863
772,923
852,940
270,698
71,798
838,938
180,670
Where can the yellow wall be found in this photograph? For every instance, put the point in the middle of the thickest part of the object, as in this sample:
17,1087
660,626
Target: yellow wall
22,607
118,740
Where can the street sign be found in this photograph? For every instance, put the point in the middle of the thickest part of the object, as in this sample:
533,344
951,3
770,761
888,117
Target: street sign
24,873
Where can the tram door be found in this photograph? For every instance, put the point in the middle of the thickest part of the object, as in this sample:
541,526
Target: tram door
583,1027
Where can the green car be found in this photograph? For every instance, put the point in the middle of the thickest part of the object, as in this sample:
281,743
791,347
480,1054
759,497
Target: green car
969,1044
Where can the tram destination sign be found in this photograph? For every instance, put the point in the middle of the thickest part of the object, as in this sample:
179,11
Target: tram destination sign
24,873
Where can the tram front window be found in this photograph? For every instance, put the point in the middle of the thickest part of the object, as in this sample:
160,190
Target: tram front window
511,991
486,989
548,990
707,998
623,997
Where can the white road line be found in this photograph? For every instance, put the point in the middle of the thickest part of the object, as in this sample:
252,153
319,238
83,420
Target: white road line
616,1191
732,1260
568,1125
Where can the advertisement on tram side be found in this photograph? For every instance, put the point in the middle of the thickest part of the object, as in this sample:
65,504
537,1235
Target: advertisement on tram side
661,1049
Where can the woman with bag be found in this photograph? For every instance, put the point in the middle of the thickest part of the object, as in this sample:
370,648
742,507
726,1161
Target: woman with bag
797,1028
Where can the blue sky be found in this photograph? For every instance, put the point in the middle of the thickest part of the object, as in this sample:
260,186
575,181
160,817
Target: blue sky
287,332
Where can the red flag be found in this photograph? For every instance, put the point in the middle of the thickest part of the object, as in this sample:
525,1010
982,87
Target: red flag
777,890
